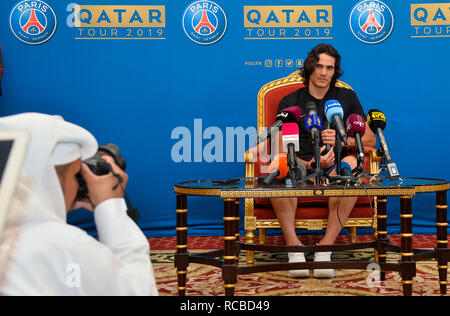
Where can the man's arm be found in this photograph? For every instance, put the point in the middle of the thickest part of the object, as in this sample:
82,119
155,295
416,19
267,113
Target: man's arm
368,139
117,231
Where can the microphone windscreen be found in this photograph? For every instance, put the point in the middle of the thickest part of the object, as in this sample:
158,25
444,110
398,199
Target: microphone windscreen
311,106
312,121
294,113
332,108
290,129
355,124
376,120
281,165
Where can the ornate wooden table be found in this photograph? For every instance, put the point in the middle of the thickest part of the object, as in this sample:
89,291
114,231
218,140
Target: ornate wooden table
231,191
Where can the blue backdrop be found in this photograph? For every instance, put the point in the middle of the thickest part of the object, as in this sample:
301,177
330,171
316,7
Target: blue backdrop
138,93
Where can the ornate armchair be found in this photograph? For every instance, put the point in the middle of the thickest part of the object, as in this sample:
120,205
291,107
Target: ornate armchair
312,213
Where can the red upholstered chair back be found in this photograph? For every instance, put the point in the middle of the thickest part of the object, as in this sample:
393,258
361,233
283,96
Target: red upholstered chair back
273,98
269,98
312,212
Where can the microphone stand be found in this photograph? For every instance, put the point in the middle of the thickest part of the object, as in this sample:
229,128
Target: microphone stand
318,172
338,158
273,142
338,153
359,169
292,162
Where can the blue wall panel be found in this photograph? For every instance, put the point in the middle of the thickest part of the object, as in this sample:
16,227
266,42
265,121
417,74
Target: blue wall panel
137,92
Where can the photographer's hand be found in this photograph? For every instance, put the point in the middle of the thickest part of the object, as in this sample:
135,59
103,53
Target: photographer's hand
102,188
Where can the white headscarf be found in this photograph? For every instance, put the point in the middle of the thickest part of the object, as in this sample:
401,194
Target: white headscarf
53,142
40,248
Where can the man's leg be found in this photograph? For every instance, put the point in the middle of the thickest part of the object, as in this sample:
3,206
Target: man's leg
338,214
285,209
338,211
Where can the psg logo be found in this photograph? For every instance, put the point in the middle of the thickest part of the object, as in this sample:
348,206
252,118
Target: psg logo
204,22
371,21
33,22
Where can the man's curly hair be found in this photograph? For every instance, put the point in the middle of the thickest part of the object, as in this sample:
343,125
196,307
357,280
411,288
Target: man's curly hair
313,58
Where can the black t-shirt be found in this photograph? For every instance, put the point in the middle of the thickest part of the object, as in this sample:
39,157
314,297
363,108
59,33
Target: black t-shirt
346,97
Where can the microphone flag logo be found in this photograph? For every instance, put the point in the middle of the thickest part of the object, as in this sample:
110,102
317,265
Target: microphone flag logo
33,22
204,22
312,121
371,21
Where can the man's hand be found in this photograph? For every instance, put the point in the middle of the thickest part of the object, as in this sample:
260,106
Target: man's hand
102,188
329,137
327,161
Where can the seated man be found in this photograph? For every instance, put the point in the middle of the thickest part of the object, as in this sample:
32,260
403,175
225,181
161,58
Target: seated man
43,255
320,73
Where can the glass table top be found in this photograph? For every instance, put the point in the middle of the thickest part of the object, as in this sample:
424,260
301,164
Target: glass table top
220,187
255,183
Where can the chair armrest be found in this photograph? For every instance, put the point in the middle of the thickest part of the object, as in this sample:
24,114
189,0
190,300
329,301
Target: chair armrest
374,159
259,153
251,155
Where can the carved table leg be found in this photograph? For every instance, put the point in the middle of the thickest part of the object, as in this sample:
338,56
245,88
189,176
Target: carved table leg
229,269
237,230
407,263
381,232
442,243
181,255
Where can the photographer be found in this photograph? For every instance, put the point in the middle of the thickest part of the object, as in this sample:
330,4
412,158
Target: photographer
43,255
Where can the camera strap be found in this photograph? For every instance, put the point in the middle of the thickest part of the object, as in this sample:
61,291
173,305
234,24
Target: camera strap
132,212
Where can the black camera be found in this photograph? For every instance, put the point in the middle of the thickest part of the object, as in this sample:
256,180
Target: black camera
100,167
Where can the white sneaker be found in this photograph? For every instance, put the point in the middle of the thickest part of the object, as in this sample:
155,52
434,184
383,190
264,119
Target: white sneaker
297,257
323,273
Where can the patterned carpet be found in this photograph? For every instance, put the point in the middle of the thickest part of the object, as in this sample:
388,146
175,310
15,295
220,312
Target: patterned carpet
207,280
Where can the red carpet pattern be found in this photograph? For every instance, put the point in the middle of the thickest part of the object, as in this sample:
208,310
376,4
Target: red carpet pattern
207,280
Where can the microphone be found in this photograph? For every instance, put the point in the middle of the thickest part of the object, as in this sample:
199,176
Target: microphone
377,123
277,169
291,142
335,114
356,127
326,125
313,123
289,115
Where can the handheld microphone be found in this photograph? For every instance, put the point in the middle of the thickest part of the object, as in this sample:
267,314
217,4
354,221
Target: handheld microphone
335,114
291,142
289,115
356,127
290,137
377,123
277,169
313,123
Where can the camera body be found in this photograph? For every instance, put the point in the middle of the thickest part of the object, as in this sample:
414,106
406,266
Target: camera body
100,167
